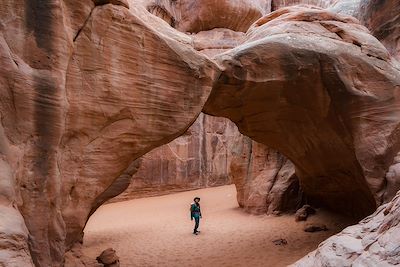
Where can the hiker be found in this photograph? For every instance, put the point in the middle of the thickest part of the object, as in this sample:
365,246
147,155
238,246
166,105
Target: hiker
195,213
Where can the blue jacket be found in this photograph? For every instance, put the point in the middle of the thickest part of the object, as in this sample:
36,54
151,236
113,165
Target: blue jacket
195,211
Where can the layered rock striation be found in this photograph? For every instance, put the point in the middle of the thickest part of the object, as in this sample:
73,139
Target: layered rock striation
304,76
90,87
86,90
372,242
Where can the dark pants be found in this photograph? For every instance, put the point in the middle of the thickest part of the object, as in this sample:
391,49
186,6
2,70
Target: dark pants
196,224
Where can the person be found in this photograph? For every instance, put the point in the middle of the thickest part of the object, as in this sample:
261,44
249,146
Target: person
195,212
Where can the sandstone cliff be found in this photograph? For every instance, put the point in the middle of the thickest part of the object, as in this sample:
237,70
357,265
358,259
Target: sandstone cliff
90,87
199,158
86,90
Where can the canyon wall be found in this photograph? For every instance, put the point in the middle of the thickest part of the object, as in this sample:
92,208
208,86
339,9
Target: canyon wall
212,153
199,158
88,88
85,91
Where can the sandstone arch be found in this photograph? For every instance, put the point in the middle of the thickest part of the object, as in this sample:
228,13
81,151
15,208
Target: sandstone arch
91,88
319,105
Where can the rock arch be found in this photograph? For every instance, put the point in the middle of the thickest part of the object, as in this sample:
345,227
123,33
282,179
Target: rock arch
98,86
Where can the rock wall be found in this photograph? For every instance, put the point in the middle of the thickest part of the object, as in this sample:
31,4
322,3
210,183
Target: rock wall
382,17
90,87
211,153
277,4
265,180
85,91
372,242
199,158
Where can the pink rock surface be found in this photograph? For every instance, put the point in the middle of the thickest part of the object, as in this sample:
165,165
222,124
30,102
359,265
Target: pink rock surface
202,15
88,90
265,180
292,86
199,158
277,4
383,19
372,242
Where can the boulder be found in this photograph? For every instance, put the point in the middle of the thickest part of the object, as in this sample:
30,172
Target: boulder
108,258
303,213
313,227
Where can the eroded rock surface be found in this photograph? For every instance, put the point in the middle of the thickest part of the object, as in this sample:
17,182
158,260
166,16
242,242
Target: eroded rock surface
382,17
265,180
373,242
202,15
295,90
86,91
277,4
199,158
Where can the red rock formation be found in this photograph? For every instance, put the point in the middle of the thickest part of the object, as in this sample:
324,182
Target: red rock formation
294,91
89,89
199,158
203,15
86,90
372,242
265,180
277,4
211,153
382,17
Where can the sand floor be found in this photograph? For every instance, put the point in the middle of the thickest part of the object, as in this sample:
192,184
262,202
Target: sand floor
157,231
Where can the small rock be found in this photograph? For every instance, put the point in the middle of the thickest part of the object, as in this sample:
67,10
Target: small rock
315,228
108,258
303,213
277,213
280,242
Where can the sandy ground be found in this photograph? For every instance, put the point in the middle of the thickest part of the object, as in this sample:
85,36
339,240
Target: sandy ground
157,231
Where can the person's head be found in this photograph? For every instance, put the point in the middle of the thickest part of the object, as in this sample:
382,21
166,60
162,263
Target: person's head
196,199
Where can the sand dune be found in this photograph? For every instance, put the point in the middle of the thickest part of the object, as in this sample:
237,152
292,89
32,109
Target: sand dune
157,231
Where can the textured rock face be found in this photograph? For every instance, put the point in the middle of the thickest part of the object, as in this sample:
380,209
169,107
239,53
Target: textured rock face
199,158
203,15
277,4
294,91
392,179
372,242
86,90
216,41
265,180
211,153
382,17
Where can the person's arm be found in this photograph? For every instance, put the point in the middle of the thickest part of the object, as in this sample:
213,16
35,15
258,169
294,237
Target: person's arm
191,212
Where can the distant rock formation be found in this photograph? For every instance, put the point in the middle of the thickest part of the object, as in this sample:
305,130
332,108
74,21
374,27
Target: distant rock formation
89,87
